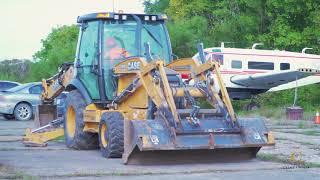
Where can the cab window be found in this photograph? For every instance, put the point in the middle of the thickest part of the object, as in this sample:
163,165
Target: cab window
154,34
88,58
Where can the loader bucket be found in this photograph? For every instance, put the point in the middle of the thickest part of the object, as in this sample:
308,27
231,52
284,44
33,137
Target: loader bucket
45,113
214,140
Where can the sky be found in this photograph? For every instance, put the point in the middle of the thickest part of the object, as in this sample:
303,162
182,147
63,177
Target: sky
25,22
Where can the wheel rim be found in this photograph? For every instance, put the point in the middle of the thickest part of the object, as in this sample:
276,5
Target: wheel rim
24,112
71,121
103,135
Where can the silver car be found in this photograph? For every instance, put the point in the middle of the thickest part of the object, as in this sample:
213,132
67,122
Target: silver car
19,102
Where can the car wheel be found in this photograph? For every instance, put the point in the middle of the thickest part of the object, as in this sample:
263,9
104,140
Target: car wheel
8,116
23,112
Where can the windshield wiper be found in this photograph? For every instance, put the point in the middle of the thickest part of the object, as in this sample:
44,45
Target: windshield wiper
153,37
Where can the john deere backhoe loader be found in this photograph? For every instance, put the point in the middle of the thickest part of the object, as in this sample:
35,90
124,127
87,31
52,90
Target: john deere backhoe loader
127,95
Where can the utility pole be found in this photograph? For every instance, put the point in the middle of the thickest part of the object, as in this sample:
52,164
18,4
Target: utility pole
295,93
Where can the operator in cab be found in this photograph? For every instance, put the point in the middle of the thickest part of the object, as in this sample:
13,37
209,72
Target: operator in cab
113,51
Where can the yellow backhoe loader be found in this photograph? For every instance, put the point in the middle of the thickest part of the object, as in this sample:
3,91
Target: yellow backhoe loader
128,97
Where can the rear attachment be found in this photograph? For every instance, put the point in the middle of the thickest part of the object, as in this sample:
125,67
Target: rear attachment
49,127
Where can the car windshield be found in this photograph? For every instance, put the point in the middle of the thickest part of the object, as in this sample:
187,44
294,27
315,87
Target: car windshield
17,88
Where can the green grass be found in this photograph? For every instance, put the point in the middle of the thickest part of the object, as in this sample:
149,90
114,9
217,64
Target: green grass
275,158
302,125
267,112
7,172
311,133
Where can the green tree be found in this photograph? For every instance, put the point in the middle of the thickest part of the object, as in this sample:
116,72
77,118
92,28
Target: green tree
279,24
155,6
58,47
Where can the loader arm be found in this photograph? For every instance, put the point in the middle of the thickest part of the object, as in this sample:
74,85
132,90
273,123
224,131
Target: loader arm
200,72
179,127
53,86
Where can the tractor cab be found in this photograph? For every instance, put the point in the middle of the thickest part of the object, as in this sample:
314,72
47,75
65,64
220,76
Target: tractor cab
107,39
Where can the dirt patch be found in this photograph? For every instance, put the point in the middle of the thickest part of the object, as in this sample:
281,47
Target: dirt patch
294,149
9,172
297,142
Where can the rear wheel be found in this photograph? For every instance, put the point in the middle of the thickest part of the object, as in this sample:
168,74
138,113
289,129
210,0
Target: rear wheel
111,135
23,112
75,137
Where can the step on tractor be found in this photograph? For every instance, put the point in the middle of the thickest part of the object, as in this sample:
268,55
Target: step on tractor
129,97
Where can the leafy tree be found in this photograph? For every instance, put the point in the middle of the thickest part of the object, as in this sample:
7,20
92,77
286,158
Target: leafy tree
186,34
57,48
279,24
155,6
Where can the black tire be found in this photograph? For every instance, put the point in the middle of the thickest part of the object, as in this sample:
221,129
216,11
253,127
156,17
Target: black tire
9,116
23,112
112,133
75,137
252,106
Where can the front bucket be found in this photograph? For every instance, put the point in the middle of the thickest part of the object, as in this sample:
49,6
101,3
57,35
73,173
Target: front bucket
151,141
45,113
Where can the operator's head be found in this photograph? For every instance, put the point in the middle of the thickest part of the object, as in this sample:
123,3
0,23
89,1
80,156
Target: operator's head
111,42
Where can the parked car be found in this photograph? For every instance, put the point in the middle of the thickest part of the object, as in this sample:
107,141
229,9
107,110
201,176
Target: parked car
19,102
5,85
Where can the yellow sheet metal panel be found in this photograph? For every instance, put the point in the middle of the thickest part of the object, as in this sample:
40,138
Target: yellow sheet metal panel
41,139
92,127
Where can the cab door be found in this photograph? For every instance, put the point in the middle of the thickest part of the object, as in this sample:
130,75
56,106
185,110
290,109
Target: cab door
87,61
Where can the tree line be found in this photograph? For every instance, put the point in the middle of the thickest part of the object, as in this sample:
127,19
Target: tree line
289,25
279,24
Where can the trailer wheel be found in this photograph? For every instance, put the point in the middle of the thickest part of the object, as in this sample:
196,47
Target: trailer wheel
75,137
111,135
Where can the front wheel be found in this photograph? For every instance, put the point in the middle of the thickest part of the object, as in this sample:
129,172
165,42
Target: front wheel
23,112
111,135
75,137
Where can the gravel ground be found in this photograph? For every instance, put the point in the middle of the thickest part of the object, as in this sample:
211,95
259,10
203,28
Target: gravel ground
295,142
58,162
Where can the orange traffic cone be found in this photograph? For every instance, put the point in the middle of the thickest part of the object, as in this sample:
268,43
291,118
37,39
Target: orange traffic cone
317,118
